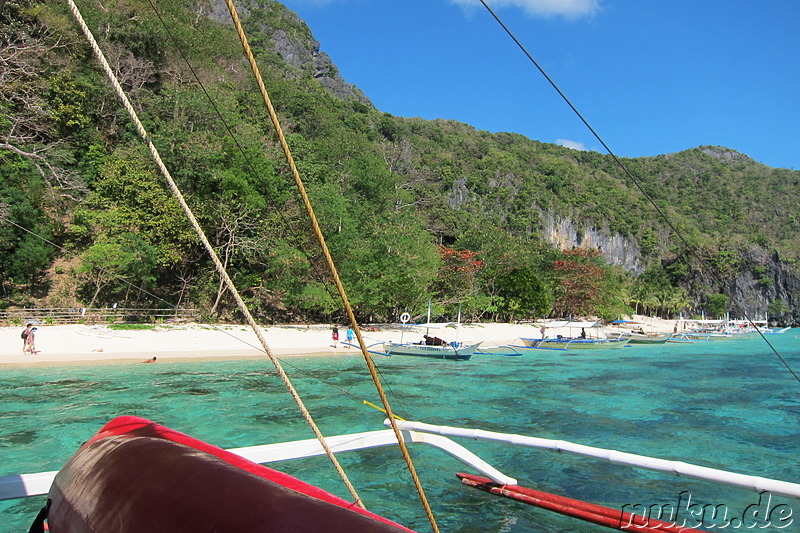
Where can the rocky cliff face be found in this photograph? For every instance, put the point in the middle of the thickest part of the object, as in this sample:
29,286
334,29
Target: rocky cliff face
617,250
761,280
292,41
764,279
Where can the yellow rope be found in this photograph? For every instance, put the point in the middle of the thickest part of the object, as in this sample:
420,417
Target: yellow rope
365,402
220,268
331,266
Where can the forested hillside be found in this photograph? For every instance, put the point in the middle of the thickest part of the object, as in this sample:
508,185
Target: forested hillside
502,226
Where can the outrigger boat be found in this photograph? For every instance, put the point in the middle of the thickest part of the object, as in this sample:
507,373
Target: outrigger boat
584,341
135,475
635,337
640,336
775,331
432,347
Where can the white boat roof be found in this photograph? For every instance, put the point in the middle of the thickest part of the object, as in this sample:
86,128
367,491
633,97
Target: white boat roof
434,325
572,324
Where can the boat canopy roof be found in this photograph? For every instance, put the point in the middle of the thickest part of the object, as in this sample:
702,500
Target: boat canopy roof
572,324
434,325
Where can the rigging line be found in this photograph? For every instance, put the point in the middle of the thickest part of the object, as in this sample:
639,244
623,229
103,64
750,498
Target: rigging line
86,261
213,326
690,249
331,266
249,163
201,234
123,280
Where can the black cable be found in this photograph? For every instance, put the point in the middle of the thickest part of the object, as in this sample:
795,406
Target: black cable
247,160
689,249
172,306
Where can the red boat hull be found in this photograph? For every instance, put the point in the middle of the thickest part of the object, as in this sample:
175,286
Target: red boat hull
135,475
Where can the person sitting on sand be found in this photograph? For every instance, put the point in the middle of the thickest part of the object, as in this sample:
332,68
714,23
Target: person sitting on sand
151,360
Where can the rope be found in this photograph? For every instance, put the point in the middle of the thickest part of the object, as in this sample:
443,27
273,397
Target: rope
329,260
201,234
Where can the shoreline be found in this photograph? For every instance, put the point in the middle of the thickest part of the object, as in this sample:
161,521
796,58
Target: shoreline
59,345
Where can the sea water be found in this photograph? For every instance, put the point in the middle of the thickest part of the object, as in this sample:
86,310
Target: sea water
729,404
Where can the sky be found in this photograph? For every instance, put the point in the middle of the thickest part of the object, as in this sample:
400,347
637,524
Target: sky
651,77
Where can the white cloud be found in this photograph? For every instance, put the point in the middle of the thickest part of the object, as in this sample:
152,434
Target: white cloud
543,8
571,144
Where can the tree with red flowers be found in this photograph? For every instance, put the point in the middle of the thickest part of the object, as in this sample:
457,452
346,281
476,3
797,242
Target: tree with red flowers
459,275
581,279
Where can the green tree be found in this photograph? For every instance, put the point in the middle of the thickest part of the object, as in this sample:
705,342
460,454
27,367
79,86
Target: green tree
716,305
523,294
116,266
777,309
128,198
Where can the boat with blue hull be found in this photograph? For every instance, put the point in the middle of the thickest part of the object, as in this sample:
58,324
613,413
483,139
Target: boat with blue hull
579,336
443,350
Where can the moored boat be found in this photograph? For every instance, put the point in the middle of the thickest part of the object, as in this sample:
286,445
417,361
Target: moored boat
647,338
593,339
570,343
438,350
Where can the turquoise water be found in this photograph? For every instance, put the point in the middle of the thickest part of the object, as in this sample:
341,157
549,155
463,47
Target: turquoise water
726,404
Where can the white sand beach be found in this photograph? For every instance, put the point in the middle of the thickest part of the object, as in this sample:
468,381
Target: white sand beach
68,344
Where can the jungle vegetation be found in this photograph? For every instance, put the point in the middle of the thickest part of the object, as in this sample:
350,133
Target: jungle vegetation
413,210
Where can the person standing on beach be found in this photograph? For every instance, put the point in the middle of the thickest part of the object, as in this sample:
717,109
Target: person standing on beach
350,336
335,336
30,341
25,334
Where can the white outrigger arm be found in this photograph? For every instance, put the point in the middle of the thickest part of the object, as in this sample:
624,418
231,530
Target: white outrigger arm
678,468
25,485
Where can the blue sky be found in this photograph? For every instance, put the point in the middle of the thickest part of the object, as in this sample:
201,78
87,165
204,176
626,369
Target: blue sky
652,77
